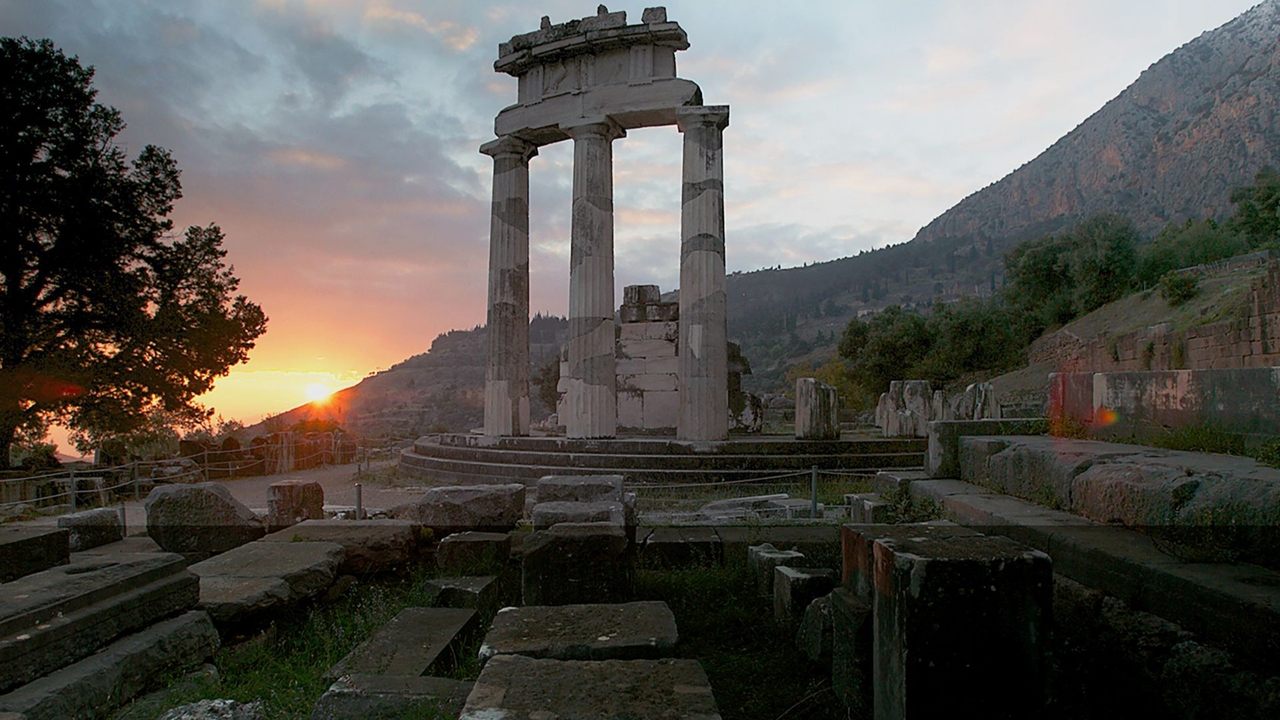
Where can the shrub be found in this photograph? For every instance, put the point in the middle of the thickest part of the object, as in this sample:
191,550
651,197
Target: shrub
1177,288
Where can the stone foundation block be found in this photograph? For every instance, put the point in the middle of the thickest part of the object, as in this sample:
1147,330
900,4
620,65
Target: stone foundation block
289,502
199,520
580,488
576,563
761,561
410,644
490,508
857,542
666,547
92,528
473,553
851,648
359,697
960,627
795,588
370,547
547,514
622,631
26,550
477,592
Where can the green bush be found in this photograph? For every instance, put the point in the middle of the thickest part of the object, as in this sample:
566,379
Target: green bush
1269,453
1177,288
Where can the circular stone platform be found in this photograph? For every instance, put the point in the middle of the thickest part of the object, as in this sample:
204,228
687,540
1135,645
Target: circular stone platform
464,458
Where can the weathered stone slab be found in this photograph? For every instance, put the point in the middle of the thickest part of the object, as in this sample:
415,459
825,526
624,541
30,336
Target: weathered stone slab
943,458
514,687
851,650
479,592
857,542
580,488
91,528
762,559
414,640
25,550
364,697
820,543
96,685
199,520
369,547
813,637
795,588
816,411
576,563
547,514
960,627
666,547
219,709
493,508
289,502
239,582
622,631
473,553
54,617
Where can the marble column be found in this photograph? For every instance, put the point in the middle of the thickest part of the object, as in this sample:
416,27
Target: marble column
591,394
704,363
506,378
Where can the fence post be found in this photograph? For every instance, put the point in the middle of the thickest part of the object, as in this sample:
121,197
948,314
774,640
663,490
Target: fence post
359,501
137,483
204,464
813,492
72,483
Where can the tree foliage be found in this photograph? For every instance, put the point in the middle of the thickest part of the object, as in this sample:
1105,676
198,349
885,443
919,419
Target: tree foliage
105,317
1257,215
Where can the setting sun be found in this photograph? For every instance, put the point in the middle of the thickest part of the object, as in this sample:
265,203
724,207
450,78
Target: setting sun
317,392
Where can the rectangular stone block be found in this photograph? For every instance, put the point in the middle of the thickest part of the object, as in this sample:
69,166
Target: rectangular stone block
121,671
630,408
621,631
648,349
25,550
478,592
793,590
943,458
857,543
289,502
92,528
961,627
514,687
54,617
473,553
650,331
410,644
580,488
667,547
358,697
573,563
489,508
370,547
641,295
663,312
661,410
548,514
761,561
648,383
851,647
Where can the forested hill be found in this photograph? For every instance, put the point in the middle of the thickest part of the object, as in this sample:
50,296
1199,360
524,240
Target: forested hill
1170,147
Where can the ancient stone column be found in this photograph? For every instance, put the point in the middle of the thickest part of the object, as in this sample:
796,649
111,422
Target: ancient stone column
592,403
704,363
506,379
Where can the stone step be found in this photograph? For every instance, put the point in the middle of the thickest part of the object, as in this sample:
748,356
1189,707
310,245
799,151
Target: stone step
469,472
93,687
244,584
1234,606
411,644
370,546
514,687
55,617
25,549
753,445
620,631
359,697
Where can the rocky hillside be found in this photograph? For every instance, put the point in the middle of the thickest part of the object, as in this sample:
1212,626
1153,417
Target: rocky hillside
1202,120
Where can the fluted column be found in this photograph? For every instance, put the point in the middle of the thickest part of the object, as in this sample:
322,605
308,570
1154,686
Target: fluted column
591,393
506,378
704,362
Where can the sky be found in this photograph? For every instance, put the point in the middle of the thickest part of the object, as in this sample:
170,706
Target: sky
335,141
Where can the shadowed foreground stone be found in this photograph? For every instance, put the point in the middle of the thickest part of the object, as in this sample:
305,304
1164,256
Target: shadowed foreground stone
469,553
92,528
289,502
851,647
199,520
623,631
857,542
795,588
93,687
26,550
576,563
410,644
370,546
479,592
241,585
961,627
493,508
391,697
761,561
813,637
580,488
51,618
514,687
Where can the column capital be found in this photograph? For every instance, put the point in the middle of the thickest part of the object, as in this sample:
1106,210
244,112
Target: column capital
600,125
691,116
509,145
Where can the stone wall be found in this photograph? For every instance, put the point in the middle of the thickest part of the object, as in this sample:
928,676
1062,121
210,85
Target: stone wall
1249,340
1138,404
910,405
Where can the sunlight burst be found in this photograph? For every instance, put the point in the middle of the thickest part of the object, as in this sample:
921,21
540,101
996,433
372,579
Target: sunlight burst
317,392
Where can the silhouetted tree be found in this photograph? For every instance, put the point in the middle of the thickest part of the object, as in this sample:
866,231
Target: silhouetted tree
105,318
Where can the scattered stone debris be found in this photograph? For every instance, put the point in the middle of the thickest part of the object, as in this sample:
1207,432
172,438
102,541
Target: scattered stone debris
217,710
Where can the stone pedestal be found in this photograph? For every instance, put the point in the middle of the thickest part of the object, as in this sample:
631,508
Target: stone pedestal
592,410
816,416
704,364
961,627
506,386
290,502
